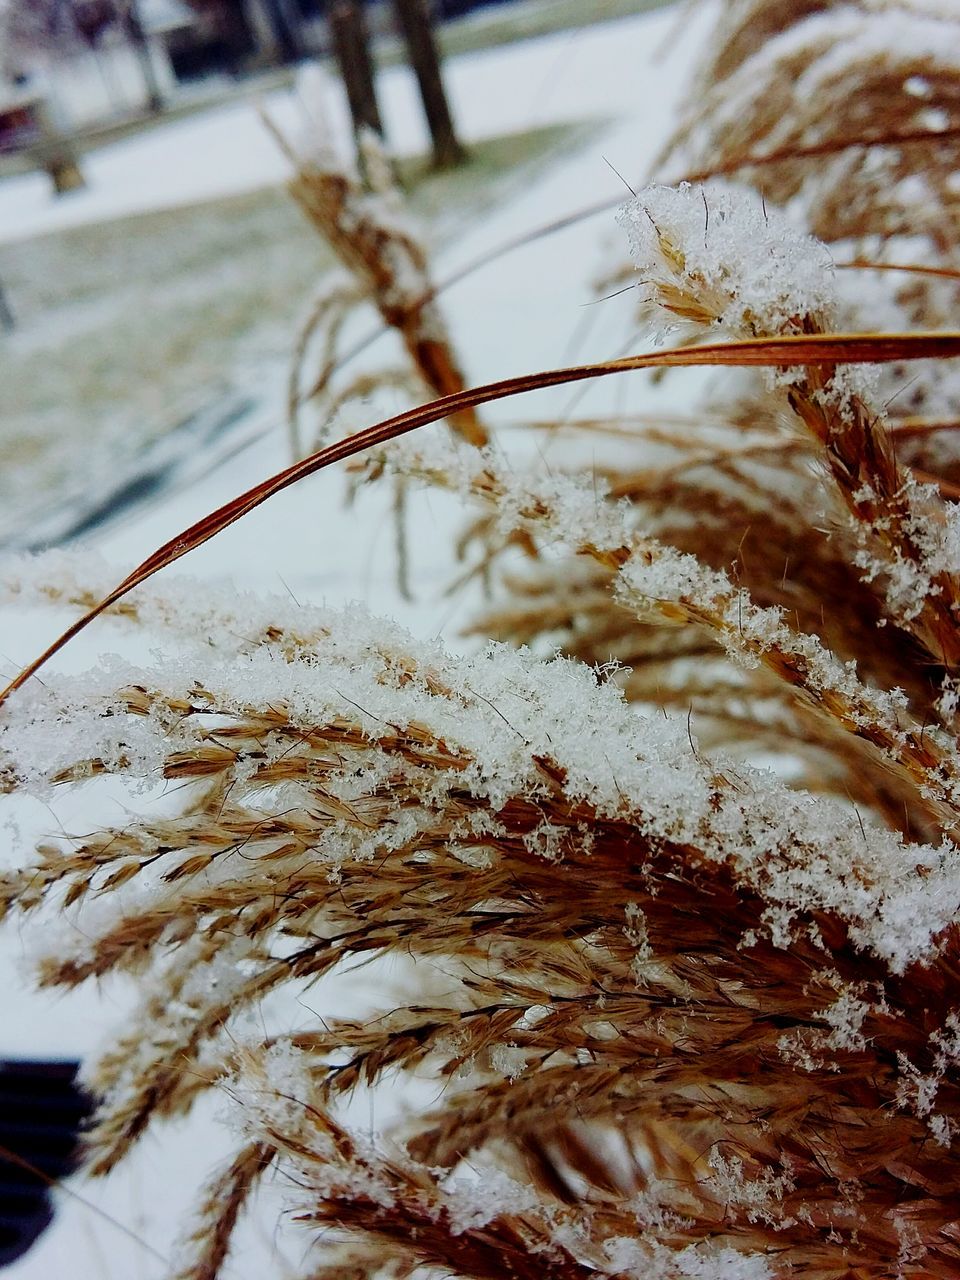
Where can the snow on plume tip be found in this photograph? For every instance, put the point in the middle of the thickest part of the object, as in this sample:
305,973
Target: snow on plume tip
716,255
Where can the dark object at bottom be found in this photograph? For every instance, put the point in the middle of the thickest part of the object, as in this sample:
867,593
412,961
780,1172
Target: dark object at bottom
41,1110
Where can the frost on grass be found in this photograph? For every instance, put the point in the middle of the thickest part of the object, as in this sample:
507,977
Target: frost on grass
675,1014
716,257
807,81
721,257
604,901
657,582
498,716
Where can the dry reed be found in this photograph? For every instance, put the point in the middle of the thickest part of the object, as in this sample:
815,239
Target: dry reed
370,234
688,1017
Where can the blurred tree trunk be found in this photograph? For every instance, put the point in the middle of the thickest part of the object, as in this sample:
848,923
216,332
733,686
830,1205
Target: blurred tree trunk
414,20
351,42
285,21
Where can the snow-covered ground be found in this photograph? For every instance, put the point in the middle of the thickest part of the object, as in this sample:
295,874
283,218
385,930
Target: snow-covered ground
570,76
525,311
171,284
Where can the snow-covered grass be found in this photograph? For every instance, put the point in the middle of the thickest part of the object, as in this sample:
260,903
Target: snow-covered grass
684,1014
125,329
523,312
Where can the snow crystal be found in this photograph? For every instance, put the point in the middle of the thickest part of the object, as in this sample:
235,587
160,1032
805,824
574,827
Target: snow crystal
546,841
846,1017
815,1048
509,1060
928,527
917,1092
472,1197
647,1260
760,1196
943,1130
911,1247
636,929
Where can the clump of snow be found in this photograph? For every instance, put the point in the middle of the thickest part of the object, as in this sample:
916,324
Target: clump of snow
917,87
816,1048
200,615
509,1060
715,257
498,713
317,141
674,585
472,1197
920,521
273,1101
644,1260
927,43
816,61
917,1090
761,1195
716,253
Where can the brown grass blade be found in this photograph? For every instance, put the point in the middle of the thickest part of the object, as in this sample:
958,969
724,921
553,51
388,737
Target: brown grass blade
912,268
906,427
777,352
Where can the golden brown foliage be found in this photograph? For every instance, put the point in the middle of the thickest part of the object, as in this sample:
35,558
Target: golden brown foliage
684,1017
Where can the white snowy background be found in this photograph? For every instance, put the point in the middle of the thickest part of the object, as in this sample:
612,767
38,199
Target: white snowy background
525,311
